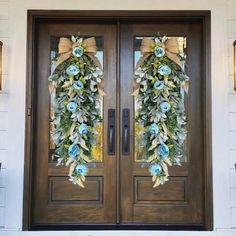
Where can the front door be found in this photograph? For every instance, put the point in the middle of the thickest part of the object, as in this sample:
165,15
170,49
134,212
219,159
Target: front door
118,191
180,200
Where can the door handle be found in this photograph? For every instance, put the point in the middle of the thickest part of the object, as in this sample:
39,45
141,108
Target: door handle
111,131
125,131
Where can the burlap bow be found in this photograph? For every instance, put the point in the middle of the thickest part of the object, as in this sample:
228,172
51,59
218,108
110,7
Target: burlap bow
171,48
65,49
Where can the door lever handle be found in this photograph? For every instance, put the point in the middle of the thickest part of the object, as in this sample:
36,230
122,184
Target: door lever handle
125,132
111,132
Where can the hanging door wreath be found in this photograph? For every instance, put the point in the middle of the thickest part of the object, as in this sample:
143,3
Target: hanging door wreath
76,91
160,85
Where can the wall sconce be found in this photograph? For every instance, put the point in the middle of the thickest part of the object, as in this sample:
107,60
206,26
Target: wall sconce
1,45
234,44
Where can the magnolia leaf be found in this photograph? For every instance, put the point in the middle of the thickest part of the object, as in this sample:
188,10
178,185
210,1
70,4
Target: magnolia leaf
157,182
149,77
72,179
84,157
72,167
164,128
171,84
181,137
146,99
151,158
80,40
154,144
138,80
59,161
53,77
82,178
82,144
168,161
165,168
73,38
154,177
80,182
157,40
56,135
66,84
99,80
65,135
139,72
69,161
99,71
177,160
163,179
91,99
72,128
88,77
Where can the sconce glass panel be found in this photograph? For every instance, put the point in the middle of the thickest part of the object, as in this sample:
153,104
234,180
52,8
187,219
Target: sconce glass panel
1,44
234,43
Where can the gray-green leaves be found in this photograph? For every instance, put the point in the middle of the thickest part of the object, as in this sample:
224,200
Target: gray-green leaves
160,103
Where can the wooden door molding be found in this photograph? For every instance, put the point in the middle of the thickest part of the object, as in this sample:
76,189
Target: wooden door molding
52,16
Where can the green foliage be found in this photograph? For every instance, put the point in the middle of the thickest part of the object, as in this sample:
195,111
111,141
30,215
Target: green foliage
171,123
67,123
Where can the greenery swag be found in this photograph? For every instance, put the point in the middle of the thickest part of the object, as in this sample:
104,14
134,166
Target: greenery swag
160,83
75,88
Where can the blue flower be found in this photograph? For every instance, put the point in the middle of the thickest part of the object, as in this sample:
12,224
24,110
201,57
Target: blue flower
165,106
72,70
155,169
78,51
73,150
83,129
159,85
163,150
159,51
78,85
164,70
72,106
154,129
81,169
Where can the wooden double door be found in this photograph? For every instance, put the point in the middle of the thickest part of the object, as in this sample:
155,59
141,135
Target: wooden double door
118,191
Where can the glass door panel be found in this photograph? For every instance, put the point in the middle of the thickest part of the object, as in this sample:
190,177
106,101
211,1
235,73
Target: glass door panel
139,131
97,149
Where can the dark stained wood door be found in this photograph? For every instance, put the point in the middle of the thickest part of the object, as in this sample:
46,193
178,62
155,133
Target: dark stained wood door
55,199
181,199
118,192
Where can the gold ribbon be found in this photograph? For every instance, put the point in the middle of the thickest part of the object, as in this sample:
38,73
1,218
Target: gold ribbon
171,48
65,49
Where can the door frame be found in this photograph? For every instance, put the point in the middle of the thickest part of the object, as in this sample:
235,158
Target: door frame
53,16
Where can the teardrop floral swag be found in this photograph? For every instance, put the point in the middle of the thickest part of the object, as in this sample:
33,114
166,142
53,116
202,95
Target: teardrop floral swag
160,82
76,89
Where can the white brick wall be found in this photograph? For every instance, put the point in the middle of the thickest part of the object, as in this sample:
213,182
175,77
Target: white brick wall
231,7
13,35
4,36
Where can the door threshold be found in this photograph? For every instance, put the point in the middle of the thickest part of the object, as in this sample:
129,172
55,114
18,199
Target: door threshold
169,227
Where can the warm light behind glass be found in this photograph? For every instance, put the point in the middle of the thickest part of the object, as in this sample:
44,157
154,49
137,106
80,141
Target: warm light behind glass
182,41
234,44
1,44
